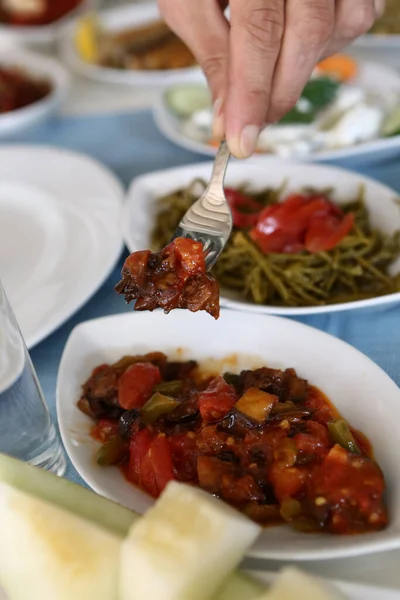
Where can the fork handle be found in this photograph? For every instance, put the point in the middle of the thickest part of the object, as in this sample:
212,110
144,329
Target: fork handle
219,169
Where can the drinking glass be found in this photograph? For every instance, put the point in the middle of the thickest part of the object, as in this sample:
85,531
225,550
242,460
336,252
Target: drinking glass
26,428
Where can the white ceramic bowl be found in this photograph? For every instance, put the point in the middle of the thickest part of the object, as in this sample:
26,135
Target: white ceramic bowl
27,118
372,76
118,19
361,391
140,210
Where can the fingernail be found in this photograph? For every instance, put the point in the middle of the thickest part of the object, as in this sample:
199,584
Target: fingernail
379,6
218,119
244,145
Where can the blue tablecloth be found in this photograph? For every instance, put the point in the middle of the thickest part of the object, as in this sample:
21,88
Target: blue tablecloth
130,145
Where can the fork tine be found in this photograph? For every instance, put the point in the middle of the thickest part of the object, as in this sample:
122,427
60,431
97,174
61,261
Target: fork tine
209,219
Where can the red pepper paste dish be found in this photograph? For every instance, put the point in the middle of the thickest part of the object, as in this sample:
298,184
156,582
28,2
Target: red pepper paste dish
19,89
33,13
265,441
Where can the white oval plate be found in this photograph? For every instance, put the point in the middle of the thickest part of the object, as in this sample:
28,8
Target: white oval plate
362,392
59,233
42,36
16,121
140,209
375,41
371,75
118,19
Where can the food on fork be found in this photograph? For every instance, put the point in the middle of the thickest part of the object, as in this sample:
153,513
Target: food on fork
265,441
175,277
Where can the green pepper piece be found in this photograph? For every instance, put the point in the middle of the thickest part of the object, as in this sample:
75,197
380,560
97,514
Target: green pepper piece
112,452
156,406
340,434
232,379
170,388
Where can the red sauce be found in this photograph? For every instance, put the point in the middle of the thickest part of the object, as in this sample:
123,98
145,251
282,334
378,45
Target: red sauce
17,89
54,10
261,441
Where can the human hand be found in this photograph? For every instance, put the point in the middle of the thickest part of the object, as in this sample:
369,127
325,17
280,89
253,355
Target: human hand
258,63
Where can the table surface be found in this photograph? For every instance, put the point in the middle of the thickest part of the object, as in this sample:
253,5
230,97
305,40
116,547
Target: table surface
137,147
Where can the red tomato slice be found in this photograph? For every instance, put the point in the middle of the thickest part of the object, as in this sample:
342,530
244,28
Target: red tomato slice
190,255
161,459
245,210
105,429
139,447
326,233
273,242
148,476
136,385
217,400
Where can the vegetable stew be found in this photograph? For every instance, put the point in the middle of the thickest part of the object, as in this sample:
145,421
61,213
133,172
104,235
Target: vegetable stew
265,441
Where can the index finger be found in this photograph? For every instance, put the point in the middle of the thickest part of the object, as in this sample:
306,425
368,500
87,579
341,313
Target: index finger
255,40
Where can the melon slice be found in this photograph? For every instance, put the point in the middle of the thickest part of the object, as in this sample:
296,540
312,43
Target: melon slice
47,552
184,547
293,584
65,494
239,586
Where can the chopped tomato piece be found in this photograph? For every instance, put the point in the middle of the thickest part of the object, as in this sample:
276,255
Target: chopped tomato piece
190,255
245,210
274,242
210,471
288,483
139,447
315,440
136,384
217,400
105,429
161,459
349,484
326,233
148,476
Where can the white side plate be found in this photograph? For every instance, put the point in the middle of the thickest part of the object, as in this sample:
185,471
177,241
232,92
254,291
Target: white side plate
361,391
59,233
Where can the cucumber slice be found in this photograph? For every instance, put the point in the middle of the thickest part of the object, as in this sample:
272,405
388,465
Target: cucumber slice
391,125
65,494
186,99
240,587
184,547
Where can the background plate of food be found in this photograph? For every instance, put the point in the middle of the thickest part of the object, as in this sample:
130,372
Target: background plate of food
264,440
289,258
128,45
33,88
347,109
37,22
385,34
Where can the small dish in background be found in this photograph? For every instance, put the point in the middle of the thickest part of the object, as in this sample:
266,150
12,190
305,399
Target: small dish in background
109,37
49,83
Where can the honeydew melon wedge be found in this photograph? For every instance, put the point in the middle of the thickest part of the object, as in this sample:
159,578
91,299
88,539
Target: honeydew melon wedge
293,584
71,517
239,586
48,552
184,547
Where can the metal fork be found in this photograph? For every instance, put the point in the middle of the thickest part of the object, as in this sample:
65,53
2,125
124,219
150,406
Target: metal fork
209,219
